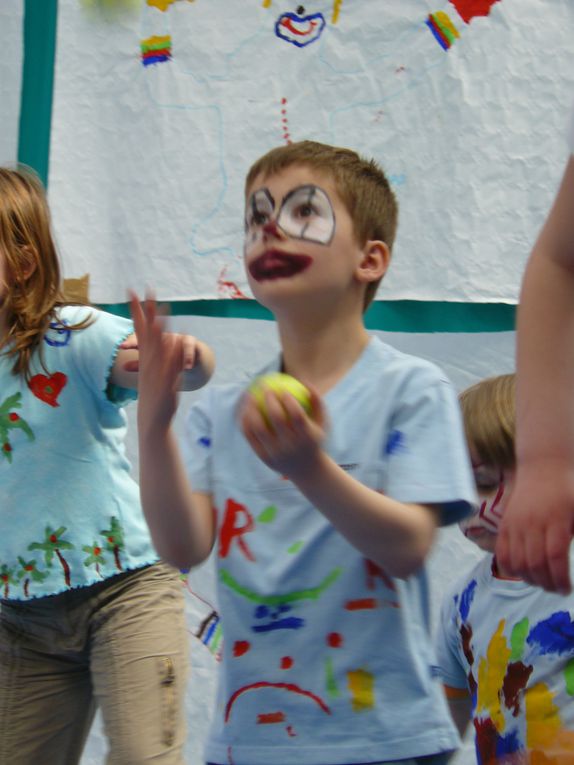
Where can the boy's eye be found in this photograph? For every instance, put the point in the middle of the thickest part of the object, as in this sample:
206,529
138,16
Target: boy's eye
257,218
305,210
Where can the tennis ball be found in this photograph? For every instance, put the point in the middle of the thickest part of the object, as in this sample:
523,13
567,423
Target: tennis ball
279,383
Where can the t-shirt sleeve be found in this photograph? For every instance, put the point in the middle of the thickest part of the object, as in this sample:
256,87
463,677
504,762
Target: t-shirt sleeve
428,460
95,349
446,647
198,444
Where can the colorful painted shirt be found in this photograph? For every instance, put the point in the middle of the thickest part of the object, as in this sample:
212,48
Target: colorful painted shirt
326,658
512,646
69,512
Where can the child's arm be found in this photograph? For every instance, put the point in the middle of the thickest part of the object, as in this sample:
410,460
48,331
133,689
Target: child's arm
197,363
460,705
394,534
180,520
538,521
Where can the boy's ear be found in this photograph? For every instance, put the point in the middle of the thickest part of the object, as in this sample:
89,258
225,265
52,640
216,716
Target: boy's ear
374,262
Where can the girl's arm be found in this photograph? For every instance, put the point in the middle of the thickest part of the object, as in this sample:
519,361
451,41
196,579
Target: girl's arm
197,363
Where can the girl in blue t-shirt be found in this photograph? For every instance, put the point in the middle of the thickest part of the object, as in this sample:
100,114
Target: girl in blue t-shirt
89,616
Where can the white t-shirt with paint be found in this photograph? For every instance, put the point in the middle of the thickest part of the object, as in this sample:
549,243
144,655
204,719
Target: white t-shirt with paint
326,658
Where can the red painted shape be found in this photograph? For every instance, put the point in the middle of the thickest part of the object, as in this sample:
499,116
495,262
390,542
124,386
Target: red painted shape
270,717
290,687
286,662
469,9
486,737
515,680
335,639
232,528
240,647
361,604
373,572
48,388
13,417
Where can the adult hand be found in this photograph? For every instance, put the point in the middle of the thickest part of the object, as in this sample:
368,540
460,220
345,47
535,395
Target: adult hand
538,525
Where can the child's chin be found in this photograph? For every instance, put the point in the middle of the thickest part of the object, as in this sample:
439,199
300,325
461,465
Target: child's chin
482,538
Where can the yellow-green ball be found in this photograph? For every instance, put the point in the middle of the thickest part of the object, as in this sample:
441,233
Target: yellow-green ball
278,382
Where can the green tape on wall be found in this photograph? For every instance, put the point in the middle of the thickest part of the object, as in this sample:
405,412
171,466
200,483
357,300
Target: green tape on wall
391,316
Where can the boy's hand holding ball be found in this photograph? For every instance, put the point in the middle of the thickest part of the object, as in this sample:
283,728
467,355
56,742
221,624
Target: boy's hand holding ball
283,422
279,383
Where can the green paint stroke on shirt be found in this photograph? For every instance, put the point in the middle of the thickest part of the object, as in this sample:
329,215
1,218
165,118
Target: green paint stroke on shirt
267,515
569,677
518,639
312,593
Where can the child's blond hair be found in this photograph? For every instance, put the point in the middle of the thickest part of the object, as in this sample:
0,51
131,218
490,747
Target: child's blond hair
361,184
32,270
488,410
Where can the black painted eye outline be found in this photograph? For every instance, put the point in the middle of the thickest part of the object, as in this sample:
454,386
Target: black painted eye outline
260,202
323,209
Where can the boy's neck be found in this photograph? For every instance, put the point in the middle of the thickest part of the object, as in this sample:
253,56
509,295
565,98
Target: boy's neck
320,351
501,573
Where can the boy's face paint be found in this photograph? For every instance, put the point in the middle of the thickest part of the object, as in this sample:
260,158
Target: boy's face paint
493,486
306,213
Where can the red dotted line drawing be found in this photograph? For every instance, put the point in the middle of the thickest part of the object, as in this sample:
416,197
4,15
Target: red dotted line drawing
285,121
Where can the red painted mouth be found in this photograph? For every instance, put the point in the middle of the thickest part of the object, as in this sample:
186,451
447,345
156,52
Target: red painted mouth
274,264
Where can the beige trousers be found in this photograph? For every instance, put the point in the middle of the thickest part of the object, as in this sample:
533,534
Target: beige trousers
120,645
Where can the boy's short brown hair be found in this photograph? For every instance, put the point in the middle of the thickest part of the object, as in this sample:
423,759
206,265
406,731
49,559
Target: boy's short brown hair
361,184
488,410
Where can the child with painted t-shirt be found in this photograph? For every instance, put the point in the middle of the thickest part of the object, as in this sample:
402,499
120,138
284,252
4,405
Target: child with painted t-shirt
321,522
505,648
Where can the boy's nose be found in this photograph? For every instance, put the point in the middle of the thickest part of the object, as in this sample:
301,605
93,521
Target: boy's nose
271,228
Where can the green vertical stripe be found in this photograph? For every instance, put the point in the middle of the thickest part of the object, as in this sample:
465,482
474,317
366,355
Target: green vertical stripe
40,21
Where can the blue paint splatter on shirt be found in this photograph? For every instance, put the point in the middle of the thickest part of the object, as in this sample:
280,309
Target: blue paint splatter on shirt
508,744
553,635
204,441
395,442
466,598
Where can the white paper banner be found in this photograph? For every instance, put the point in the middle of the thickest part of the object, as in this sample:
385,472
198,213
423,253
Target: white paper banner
11,42
159,113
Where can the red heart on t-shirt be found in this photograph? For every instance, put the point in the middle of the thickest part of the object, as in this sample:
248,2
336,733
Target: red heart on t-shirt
48,389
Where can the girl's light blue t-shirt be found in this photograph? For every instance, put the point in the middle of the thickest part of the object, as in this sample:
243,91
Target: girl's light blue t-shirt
69,511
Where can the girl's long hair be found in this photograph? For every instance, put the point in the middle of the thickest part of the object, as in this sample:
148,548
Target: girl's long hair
33,286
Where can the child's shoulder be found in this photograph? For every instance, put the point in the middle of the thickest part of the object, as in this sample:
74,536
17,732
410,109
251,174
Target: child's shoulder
407,364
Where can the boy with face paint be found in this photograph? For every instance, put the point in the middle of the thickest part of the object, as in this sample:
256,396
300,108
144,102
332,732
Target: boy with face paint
322,522
505,647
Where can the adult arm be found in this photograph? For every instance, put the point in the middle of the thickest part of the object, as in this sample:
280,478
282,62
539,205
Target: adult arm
538,522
